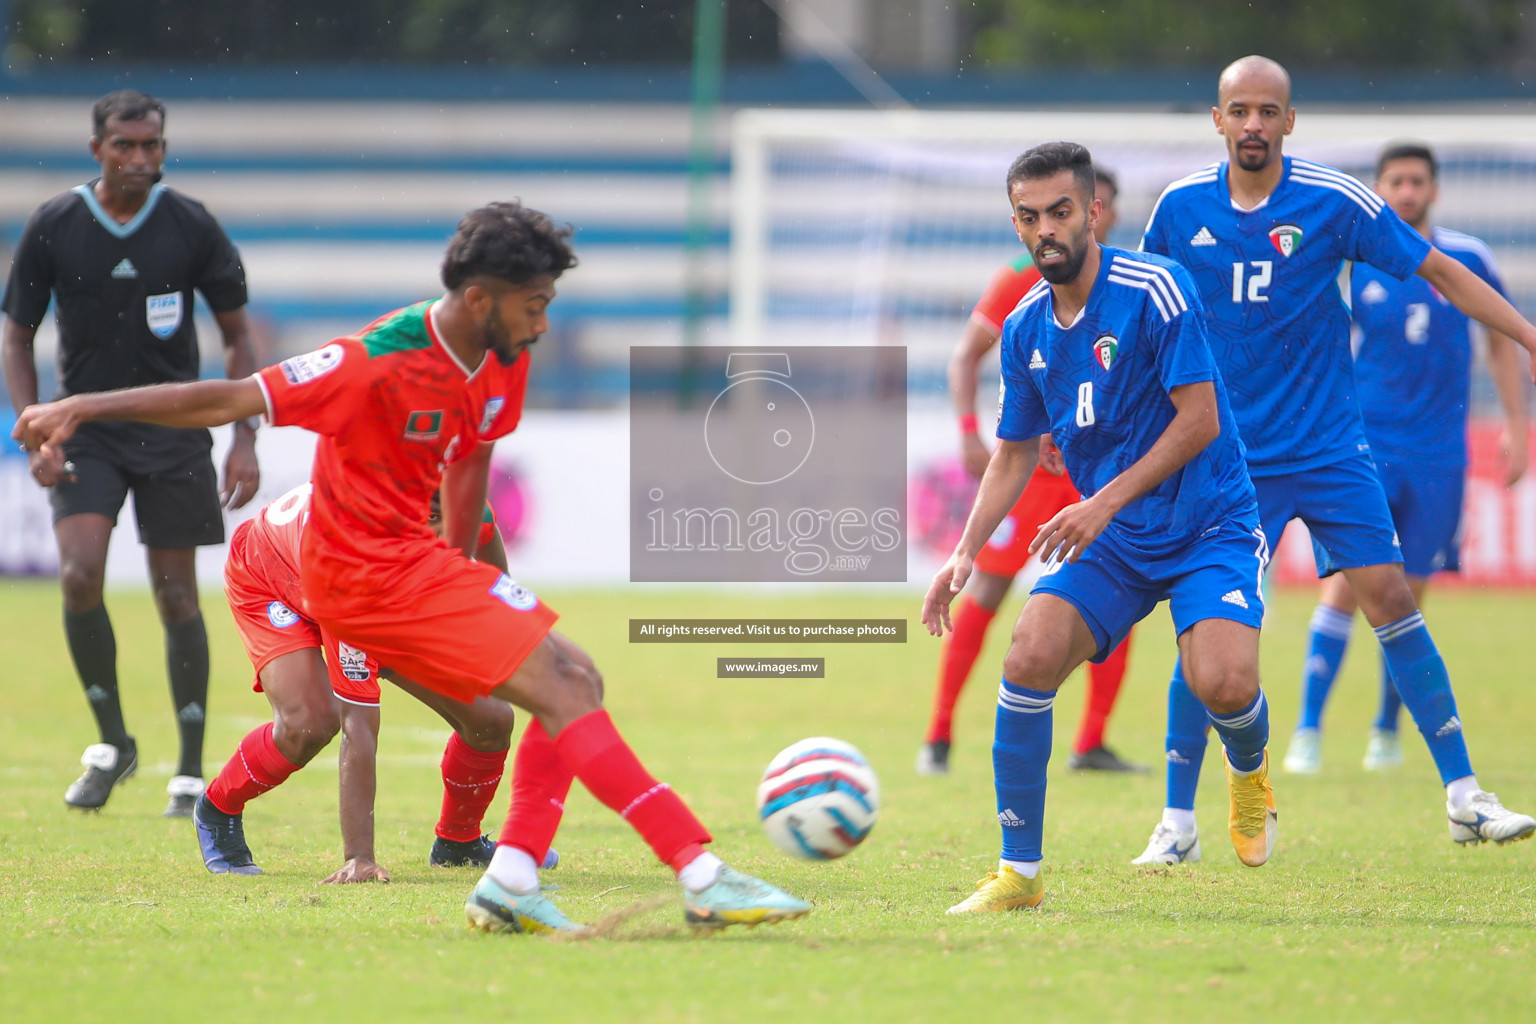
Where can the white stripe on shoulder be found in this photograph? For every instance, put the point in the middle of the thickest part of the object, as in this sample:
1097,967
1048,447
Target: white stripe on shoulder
1333,173
1207,173
1037,291
1446,239
1142,284
1372,211
1317,175
1318,172
1204,176
1342,177
1163,279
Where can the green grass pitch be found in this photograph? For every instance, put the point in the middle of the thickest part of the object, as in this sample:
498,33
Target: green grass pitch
1366,912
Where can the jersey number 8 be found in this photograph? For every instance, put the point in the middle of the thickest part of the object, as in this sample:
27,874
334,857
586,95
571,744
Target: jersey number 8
1085,417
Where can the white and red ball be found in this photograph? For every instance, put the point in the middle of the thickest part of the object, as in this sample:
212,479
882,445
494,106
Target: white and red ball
818,799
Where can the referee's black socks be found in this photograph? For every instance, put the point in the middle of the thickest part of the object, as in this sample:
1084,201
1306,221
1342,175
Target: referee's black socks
93,646
186,656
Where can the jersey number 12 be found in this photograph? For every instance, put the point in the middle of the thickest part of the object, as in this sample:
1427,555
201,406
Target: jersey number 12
1258,280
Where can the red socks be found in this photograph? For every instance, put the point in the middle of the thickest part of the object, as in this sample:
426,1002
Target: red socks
470,778
540,782
256,767
1103,686
592,749
957,655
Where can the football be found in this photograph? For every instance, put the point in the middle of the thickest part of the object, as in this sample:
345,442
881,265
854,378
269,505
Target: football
818,799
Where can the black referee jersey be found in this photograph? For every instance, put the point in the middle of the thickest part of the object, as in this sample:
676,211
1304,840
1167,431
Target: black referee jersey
125,297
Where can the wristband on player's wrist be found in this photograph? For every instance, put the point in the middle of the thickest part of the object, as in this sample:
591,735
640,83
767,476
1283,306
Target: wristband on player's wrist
968,423
249,423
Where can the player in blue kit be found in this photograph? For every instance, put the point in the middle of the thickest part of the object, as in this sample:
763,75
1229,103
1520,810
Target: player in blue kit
1108,355
1265,236
1413,361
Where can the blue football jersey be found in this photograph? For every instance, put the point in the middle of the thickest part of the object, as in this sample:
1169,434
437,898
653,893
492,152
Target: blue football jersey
1268,278
1100,388
1413,357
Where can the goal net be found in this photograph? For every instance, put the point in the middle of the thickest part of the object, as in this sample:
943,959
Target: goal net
875,227
883,227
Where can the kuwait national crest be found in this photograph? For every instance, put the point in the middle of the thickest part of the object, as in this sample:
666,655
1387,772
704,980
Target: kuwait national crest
1106,349
1285,238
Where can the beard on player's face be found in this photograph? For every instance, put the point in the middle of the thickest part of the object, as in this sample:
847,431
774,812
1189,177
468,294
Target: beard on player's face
1073,252
497,340
1252,153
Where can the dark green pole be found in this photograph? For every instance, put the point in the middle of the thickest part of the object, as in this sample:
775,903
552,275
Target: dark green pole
708,64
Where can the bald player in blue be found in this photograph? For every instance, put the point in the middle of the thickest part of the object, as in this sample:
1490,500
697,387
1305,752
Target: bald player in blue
1265,237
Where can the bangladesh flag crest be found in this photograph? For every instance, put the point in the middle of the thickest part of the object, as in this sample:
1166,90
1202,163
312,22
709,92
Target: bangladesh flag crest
1286,238
1106,349
424,426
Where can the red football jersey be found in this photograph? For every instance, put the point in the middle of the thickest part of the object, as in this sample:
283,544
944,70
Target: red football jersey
393,406
1004,291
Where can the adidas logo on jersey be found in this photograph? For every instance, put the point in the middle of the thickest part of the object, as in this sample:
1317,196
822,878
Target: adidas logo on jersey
1008,819
125,269
1036,361
1203,237
1235,597
1452,724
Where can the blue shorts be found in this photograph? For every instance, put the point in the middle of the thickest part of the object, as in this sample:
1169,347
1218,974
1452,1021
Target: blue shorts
1344,507
1218,576
1426,507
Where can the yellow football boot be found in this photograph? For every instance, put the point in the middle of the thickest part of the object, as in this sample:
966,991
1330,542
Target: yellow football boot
1252,820
1002,890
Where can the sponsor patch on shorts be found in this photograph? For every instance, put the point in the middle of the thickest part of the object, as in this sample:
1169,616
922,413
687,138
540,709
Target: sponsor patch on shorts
514,594
280,615
354,663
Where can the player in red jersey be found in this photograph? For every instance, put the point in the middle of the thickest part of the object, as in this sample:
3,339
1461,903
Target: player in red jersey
424,388
314,696
1007,552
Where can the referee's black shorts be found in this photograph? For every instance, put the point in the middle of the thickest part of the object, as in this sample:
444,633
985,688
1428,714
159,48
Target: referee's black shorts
170,472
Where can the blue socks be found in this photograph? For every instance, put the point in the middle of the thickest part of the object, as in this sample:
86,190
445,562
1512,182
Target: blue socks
1021,749
1245,733
1425,687
1391,703
1326,644
1187,723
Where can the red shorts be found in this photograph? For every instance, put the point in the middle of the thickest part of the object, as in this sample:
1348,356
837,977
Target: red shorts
457,627
1007,550
270,628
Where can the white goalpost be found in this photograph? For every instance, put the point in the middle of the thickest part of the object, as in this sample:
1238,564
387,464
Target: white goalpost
868,227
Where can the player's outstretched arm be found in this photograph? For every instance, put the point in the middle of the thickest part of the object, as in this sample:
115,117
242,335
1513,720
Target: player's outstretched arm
359,783
964,365
198,403
1504,366
242,472
1477,299
1196,423
1007,472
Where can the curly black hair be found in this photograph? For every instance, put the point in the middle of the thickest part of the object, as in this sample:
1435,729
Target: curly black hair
508,242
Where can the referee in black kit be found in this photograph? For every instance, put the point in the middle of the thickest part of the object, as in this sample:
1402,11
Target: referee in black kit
123,256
